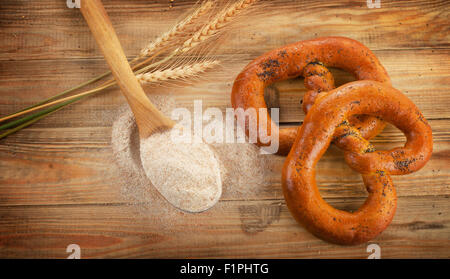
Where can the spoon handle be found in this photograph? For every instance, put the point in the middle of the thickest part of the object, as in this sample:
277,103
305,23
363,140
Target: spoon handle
148,118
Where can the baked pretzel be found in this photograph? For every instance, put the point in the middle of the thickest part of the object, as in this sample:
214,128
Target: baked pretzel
327,120
309,59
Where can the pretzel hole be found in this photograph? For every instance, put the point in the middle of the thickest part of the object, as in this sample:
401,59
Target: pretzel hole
338,184
341,77
391,137
287,95
272,97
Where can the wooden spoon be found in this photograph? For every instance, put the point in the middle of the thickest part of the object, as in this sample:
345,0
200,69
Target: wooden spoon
186,174
148,118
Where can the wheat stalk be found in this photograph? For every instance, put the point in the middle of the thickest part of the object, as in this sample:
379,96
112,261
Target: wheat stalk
181,72
213,27
178,29
184,28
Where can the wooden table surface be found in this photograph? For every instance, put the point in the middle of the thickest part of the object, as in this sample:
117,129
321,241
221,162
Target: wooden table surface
59,184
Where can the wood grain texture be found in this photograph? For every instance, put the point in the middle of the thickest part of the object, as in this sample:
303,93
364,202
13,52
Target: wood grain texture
59,184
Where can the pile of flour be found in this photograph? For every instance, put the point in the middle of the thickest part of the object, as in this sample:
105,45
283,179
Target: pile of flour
186,174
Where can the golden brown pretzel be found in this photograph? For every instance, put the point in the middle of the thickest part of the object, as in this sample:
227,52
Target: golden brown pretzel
307,58
328,119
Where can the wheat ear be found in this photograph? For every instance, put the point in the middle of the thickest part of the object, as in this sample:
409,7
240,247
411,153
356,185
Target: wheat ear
186,71
178,29
213,27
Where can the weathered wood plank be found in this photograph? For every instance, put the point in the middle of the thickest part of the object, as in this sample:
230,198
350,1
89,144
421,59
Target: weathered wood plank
47,29
265,227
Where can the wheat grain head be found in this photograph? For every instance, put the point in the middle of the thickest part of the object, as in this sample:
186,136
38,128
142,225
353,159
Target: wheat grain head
176,73
177,30
213,27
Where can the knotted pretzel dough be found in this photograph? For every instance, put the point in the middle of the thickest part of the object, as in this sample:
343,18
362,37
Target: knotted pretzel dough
328,118
308,59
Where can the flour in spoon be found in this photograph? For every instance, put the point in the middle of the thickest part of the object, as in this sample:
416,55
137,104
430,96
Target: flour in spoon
186,174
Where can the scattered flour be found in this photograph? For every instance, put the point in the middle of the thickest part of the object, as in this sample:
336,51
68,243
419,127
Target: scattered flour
244,171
